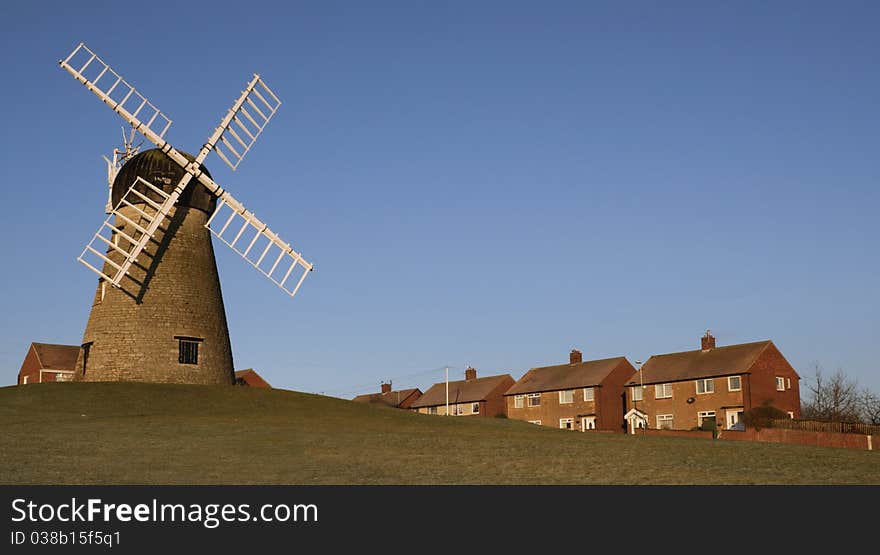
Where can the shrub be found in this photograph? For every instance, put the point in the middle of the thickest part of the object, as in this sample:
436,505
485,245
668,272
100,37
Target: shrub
762,417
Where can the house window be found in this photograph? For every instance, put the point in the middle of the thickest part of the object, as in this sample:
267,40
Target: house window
534,399
780,383
475,408
637,393
566,396
25,379
588,394
536,422
188,350
787,383
566,423
518,401
457,410
705,386
791,415
663,391
432,410
664,421
703,415
734,383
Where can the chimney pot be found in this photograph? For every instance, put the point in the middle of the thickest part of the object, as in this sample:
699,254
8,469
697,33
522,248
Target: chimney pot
707,342
386,387
470,373
575,357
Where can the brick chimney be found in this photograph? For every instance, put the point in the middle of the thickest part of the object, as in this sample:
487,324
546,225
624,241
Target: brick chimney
470,373
707,342
386,387
575,357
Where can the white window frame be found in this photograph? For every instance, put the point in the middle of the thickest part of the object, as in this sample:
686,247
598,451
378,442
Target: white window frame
705,381
533,396
661,387
24,379
787,383
705,414
475,408
566,421
519,401
780,383
568,393
730,387
791,414
641,391
665,418
432,410
535,422
592,394
457,409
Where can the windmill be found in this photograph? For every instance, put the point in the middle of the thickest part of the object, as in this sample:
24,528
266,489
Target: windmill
158,312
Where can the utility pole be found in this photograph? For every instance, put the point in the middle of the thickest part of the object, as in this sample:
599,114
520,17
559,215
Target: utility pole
447,391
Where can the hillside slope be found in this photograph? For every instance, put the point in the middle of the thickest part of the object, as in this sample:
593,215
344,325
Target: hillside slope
116,433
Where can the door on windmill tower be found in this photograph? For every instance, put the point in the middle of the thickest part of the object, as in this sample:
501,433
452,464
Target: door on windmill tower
734,419
588,423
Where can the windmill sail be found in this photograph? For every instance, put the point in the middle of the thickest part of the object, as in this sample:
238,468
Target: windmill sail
90,70
249,121
250,113
256,243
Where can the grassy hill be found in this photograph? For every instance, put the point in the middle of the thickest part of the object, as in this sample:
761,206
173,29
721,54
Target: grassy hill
115,433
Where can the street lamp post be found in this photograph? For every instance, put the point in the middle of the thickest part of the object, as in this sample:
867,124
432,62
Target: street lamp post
641,392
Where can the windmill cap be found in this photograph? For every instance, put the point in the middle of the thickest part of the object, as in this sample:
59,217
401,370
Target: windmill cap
162,172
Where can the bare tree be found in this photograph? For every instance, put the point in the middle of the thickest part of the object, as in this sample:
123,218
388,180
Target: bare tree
870,406
834,399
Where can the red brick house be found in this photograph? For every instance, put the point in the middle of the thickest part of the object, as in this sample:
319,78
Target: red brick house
713,384
471,396
249,377
400,399
575,396
47,362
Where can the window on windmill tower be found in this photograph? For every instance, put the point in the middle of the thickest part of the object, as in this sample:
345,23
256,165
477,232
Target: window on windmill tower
188,350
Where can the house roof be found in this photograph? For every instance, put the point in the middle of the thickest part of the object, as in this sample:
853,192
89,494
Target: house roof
56,357
689,365
390,398
461,391
565,376
250,376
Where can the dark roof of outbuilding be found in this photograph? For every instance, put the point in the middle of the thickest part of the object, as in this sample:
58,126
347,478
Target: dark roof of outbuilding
462,391
589,373
56,357
390,398
689,365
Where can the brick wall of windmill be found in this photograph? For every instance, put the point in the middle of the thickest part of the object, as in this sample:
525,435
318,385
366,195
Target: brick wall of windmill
137,341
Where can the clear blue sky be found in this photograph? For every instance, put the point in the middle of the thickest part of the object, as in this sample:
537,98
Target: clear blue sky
483,183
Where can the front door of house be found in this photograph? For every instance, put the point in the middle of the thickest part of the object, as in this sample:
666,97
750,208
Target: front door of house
636,422
733,417
588,423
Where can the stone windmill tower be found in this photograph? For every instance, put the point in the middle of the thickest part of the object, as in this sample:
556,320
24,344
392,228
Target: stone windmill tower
158,312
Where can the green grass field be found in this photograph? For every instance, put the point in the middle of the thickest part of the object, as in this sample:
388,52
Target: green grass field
114,433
